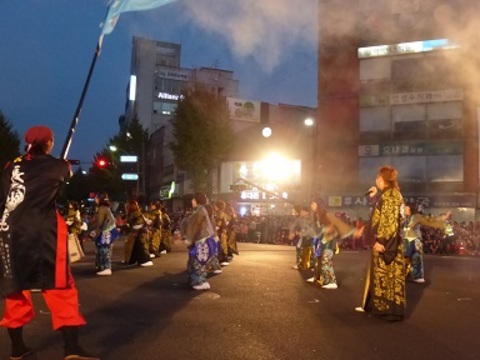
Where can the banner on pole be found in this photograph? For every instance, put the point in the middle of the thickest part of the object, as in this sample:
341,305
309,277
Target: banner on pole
117,7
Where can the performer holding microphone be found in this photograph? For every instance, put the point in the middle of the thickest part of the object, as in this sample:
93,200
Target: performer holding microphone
385,282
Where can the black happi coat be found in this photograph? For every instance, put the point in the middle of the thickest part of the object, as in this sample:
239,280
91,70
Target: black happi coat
33,236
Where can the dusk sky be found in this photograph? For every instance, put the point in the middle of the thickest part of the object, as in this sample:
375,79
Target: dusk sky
47,48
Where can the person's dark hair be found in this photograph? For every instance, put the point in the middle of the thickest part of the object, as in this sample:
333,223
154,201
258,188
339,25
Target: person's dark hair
200,198
413,208
103,198
156,203
74,204
131,206
37,149
320,213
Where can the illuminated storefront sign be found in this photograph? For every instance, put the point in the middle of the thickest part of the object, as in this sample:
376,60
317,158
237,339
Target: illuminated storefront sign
260,195
405,48
167,96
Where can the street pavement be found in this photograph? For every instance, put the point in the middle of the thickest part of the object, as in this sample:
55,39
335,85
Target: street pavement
262,309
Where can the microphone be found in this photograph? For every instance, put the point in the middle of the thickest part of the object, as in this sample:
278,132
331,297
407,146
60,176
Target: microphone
368,192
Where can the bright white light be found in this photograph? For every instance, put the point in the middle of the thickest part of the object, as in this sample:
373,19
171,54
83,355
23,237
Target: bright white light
309,122
275,167
128,158
133,87
243,211
113,148
267,132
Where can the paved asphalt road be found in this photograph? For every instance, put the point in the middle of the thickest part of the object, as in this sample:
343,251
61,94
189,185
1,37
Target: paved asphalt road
261,309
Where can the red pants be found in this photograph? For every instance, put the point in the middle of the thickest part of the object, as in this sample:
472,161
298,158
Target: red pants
63,305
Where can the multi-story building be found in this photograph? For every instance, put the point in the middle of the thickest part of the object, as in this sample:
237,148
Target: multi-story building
398,86
157,83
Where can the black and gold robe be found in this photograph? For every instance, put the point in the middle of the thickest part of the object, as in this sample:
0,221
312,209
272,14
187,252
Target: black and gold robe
385,287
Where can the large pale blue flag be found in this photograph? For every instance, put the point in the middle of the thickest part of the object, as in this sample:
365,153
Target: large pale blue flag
117,7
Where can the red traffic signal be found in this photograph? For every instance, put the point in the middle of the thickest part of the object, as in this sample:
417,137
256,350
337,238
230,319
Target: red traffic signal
101,163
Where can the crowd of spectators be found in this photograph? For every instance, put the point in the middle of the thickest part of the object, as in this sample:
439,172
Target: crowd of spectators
275,229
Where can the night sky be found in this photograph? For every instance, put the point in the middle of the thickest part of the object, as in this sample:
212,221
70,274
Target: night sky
47,47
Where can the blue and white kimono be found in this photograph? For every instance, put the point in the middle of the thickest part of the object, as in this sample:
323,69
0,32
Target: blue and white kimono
197,229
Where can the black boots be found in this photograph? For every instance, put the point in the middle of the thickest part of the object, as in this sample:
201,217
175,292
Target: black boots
19,350
73,351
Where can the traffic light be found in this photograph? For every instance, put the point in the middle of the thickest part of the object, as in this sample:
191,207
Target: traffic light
101,163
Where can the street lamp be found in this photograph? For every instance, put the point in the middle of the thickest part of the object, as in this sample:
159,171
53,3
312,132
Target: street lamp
312,123
309,122
266,132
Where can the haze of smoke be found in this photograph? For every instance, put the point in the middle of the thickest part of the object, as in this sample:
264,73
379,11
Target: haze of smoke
263,29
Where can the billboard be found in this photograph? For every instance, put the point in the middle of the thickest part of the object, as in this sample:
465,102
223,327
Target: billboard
244,110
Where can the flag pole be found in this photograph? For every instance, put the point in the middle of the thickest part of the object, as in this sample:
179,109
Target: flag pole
68,140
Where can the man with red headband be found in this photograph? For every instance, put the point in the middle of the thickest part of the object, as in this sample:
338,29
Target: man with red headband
33,245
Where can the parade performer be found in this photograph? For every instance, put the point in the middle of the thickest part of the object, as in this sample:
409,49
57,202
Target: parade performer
155,237
232,230
385,282
74,222
329,231
166,242
413,240
301,232
198,232
105,233
221,224
213,265
136,246
33,245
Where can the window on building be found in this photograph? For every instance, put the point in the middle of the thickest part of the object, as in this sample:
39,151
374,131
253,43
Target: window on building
412,67
409,118
164,108
368,168
375,69
445,168
375,119
410,168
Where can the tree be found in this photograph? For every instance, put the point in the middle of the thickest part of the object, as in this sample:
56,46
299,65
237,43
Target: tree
202,135
77,188
108,177
10,141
